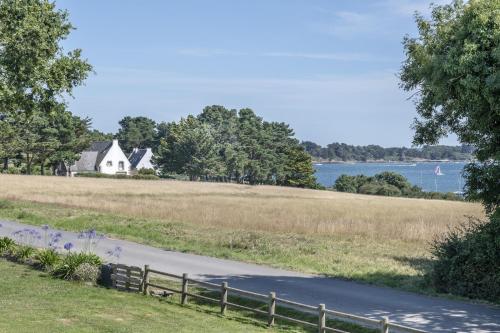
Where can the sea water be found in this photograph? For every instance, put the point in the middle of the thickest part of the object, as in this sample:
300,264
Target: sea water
420,174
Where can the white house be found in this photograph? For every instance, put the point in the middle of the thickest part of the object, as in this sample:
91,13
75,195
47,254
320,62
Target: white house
105,157
141,159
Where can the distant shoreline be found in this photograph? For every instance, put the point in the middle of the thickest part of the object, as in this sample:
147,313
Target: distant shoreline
390,162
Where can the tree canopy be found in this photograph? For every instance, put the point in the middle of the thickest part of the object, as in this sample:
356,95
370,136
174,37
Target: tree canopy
136,132
36,75
229,145
452,69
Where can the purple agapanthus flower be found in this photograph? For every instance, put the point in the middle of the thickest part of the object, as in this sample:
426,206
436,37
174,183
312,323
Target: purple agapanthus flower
45,227
68,246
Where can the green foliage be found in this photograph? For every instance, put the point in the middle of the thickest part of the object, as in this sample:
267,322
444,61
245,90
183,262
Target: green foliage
117,176
6,245
468,261
388,184
136,132
344,152
68,266
36,76
47,258
144,171
23,252
453,67
379,188
226,145
345,183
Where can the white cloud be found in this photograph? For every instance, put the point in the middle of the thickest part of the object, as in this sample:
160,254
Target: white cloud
207,52
358,109
337,56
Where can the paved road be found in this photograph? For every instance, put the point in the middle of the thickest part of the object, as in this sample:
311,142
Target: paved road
428,313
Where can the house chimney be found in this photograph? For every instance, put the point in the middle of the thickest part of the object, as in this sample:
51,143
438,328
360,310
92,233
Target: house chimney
115,142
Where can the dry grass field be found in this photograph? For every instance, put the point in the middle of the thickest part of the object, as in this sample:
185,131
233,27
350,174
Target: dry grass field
262,208
374,239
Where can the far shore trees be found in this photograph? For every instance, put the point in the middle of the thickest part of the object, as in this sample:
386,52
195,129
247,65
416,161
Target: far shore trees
36,75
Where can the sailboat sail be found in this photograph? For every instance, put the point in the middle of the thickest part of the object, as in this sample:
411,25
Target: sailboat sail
437,171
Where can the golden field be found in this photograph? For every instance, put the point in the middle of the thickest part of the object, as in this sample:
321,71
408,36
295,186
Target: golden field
252,208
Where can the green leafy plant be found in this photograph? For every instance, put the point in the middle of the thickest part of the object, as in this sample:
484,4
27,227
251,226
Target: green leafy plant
48,258
23,252
468,260
6,245
67,268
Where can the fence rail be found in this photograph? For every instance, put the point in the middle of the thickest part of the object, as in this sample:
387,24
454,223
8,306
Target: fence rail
128,277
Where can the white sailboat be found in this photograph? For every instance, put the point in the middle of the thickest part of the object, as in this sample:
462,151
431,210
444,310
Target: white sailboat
437,172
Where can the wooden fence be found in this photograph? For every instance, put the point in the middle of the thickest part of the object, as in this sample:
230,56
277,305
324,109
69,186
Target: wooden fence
129,278
223,289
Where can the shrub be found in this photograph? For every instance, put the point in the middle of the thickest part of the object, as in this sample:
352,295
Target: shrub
351,184
144,171
86,272
389,190
118,176
468,260
394,179
6,245
67,268
369,188
13,170
23,253
145,177
48,259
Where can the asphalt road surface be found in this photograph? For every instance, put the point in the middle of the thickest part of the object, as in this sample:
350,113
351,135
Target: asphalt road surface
423,312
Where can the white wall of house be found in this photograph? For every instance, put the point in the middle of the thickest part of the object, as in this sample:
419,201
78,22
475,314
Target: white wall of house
115,161
145,162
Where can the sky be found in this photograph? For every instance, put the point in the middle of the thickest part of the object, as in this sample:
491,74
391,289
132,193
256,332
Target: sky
327,68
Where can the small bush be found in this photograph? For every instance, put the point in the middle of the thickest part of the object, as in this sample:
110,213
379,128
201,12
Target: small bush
13,170
144,171
119,176
48,259
145,177
468,260
23,253
86,272
6,245
70,263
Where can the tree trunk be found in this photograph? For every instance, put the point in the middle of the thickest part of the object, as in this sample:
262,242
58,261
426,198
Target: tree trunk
42,170
5,163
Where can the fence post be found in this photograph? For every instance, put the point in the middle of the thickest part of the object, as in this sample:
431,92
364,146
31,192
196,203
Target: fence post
127,282
145,280
223,298
184,295
272,308
113,276
384,327
322,318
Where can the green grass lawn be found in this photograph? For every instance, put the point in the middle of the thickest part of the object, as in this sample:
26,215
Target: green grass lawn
393,263
31,301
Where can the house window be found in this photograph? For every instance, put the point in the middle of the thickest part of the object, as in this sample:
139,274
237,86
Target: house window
121,166
109,163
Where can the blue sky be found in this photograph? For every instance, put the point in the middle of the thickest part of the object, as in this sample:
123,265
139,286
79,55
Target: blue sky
328,68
